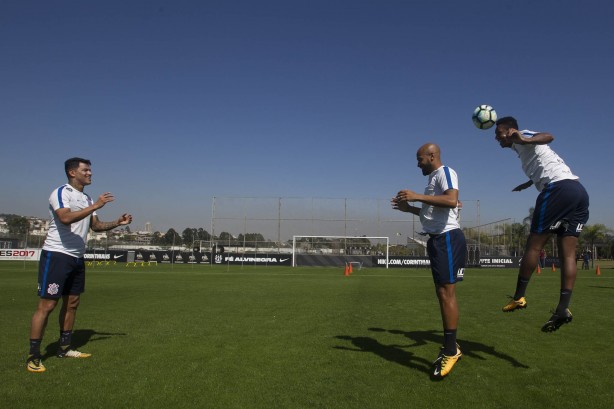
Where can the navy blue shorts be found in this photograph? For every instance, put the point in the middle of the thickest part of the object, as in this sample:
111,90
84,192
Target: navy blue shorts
448,255
60,274
561,208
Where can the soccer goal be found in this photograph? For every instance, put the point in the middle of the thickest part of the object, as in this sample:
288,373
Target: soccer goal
338,250
355,265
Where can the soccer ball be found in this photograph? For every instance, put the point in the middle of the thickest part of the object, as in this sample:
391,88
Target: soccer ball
484,116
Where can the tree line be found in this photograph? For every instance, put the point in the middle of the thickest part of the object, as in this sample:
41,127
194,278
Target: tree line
192,237
595,235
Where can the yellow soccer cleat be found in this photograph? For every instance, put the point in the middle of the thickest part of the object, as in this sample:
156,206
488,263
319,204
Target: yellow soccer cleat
440,356
515,305
35,364
444,363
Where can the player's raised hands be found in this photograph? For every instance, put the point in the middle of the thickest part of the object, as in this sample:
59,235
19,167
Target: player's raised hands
124,219
407,195
401,205
104,198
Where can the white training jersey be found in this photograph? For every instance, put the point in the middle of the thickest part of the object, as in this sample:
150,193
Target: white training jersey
541,164
434,219
68,239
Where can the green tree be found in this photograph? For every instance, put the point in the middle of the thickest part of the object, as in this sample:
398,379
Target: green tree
251,239
225,237
189,235
593,234
171,237
157,238
203,234
18,226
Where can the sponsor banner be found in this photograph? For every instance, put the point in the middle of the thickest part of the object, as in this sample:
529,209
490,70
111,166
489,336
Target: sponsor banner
254,259
187,257
402,261
171,256
191,257
499,262
424,262
20,254
111,255
159,256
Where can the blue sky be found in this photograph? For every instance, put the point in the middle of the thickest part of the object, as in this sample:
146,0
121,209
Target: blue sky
179,101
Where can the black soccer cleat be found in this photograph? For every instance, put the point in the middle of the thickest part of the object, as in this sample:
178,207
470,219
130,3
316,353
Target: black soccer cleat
557,320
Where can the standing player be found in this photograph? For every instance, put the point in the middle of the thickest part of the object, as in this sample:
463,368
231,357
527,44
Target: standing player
61,271
446,246
561,208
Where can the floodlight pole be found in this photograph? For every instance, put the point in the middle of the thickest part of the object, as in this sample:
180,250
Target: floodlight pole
212,238
279,225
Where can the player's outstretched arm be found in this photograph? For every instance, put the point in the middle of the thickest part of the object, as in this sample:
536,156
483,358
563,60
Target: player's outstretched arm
99,226
448,199
404,206
68,216
540,138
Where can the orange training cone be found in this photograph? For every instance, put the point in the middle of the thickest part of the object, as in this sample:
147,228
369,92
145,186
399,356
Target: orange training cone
598,272
350,268
347,271
553,268
539,270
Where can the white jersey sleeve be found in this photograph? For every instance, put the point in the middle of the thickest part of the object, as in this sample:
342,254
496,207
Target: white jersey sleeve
69,239
434,219
541,164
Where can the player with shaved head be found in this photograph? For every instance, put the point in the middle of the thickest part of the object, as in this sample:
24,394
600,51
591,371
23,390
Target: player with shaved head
446,245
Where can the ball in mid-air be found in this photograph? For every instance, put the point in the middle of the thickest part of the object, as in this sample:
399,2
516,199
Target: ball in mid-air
484,116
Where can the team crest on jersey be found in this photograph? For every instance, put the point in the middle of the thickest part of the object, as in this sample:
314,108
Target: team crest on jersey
53,289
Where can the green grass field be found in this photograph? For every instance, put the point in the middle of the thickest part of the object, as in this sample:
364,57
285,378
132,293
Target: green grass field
256,337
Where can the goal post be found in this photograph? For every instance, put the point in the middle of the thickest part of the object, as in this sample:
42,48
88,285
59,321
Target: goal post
340,247
358,264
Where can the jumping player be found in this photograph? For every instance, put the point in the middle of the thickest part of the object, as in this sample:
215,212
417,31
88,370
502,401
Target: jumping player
561,208
446,246
61,271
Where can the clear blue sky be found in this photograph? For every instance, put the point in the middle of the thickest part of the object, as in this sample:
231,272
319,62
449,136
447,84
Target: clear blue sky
178,101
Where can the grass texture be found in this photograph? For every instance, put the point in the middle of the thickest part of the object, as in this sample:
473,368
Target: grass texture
272,337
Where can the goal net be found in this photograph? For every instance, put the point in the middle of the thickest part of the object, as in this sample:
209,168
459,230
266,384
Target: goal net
338,250
355,265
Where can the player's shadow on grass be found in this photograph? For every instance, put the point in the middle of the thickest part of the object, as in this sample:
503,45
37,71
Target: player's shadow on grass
398,353
80,337
471,349
392,353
